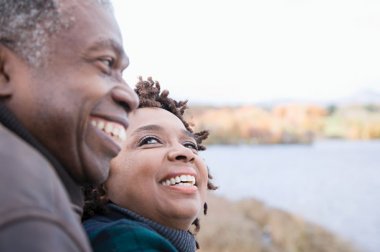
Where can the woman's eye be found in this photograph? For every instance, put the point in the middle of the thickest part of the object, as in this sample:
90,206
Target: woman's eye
149,140
191,145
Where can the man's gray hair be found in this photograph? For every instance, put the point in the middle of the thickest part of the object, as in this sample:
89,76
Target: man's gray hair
25,25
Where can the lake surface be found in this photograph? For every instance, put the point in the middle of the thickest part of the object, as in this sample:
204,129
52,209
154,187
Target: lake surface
333,183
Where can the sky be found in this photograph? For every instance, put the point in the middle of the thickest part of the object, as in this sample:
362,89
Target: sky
231,52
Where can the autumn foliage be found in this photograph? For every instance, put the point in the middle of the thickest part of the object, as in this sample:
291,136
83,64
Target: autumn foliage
286,124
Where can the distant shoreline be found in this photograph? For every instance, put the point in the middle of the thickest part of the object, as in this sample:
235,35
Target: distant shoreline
286,124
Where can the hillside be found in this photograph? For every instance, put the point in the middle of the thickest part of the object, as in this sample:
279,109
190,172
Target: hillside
250,225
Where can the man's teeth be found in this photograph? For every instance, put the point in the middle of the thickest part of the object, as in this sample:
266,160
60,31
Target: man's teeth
112,129
183,180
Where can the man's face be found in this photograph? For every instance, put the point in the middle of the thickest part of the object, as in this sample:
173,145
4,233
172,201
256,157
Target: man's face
158,173
76,103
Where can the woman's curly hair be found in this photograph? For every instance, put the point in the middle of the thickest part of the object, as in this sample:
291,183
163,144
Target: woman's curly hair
150,95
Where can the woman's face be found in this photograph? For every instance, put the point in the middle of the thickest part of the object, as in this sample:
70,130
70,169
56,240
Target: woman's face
158,173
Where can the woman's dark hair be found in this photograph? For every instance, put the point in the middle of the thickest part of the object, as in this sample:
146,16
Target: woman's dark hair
150,95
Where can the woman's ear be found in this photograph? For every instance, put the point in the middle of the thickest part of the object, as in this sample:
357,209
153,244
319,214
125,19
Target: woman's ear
5,79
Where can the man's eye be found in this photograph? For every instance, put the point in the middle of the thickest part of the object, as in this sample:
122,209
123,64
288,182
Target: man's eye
108,62
148,140
191,145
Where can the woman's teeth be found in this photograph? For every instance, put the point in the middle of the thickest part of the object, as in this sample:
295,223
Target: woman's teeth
114,130
183,180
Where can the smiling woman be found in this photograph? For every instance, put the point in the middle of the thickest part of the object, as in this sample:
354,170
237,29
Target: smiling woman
157,184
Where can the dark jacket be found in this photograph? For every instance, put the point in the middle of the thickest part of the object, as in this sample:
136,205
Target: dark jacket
121,230
37,214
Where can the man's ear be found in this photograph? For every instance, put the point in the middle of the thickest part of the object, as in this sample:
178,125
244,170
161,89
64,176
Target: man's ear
5,79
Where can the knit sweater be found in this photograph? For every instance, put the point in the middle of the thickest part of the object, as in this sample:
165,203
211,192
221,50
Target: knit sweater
124,230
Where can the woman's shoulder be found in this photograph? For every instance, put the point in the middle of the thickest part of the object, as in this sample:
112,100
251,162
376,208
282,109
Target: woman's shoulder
99,223
107,234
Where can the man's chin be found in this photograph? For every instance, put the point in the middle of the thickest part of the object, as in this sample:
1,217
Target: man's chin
96,171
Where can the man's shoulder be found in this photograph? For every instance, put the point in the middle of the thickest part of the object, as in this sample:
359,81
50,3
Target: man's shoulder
14,151
28,180
31,193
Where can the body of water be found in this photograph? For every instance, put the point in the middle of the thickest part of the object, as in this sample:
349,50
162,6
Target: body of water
333,183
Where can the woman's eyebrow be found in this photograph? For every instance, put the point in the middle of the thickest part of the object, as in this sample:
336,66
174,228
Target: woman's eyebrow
158,128
188,133
150,127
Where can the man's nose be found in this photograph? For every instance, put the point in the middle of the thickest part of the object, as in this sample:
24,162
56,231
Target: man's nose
125,96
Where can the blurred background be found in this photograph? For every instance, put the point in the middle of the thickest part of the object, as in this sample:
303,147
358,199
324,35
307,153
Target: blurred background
290,90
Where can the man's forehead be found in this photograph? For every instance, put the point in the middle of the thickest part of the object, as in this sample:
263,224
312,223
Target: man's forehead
71,8
70,11
91,19
87,26
68,3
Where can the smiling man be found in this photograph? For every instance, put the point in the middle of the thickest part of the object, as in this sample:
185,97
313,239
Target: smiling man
63,116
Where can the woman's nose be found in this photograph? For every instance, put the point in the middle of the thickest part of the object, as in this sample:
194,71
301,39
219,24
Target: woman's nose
181,153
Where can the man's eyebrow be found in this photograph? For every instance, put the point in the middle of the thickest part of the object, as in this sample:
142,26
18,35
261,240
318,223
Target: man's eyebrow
106,44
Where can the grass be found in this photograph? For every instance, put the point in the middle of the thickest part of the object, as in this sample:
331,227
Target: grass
250,225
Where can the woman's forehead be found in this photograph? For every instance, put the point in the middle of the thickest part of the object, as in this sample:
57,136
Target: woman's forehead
143,117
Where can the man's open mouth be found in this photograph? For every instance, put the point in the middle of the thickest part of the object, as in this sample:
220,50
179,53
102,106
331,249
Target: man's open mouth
113,129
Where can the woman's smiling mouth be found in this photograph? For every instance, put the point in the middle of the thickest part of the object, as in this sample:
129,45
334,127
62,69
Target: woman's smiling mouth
180,180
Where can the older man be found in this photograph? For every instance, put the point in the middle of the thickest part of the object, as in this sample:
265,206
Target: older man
63,114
